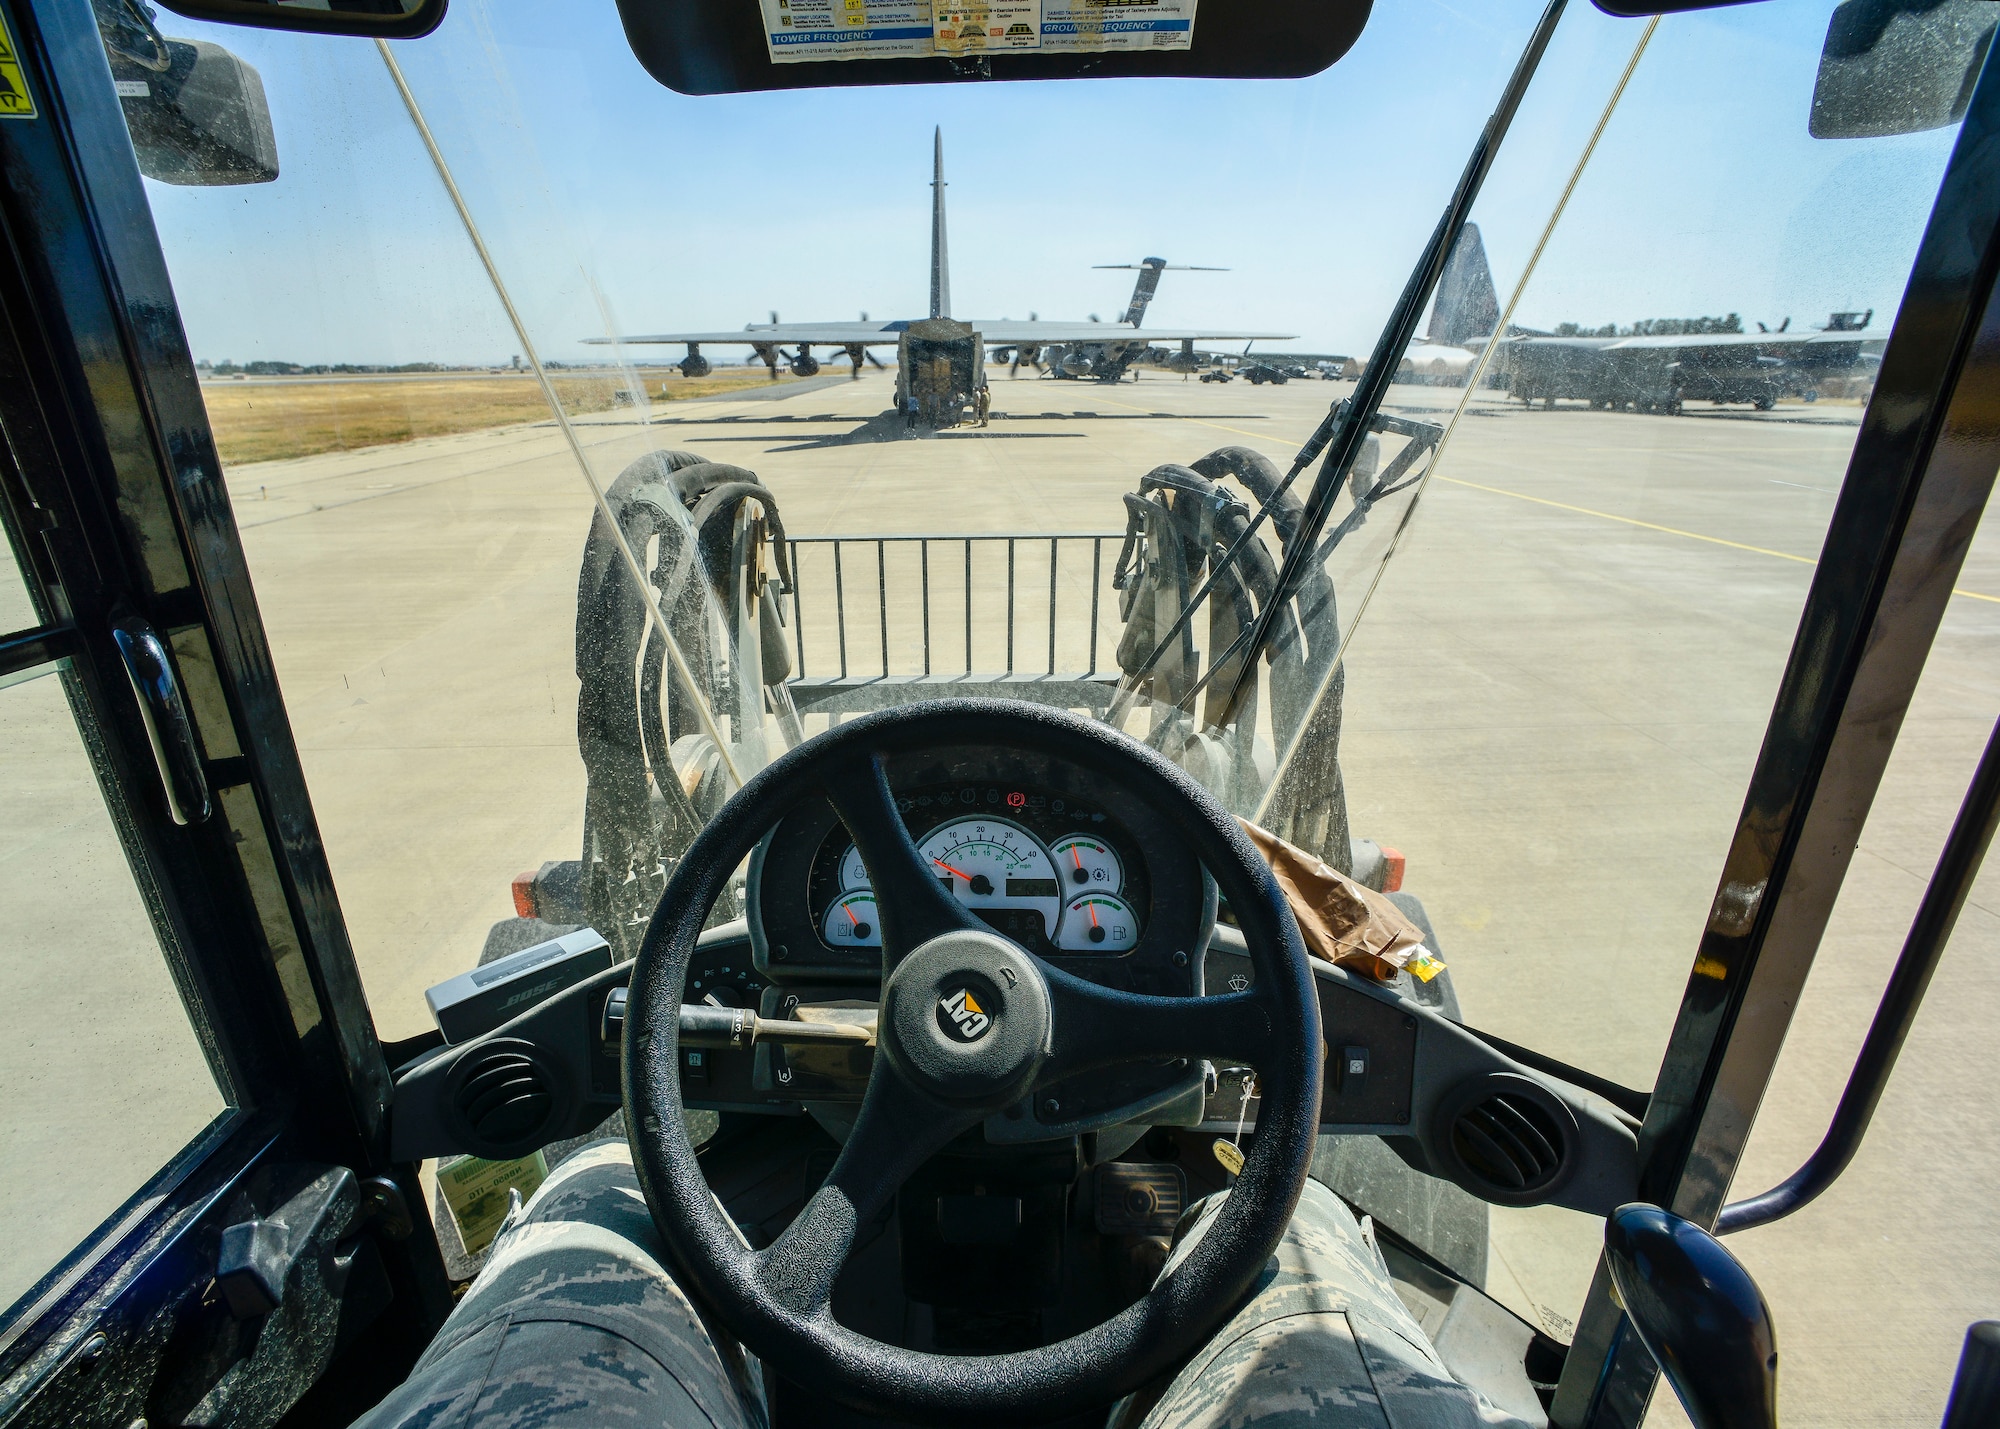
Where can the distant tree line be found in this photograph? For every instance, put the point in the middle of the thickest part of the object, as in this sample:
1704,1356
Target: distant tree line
1655,327
226,368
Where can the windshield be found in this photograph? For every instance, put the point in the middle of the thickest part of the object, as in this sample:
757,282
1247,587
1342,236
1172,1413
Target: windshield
868,396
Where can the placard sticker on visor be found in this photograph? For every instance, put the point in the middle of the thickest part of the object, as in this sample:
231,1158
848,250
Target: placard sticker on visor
1105,26
797,31
986,25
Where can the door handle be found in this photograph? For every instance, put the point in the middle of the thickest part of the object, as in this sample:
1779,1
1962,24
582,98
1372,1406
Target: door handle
168,727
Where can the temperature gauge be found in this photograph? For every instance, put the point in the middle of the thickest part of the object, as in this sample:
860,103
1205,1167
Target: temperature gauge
851,922
1098,923
1084,862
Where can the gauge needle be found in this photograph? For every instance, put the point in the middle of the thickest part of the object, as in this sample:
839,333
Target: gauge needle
1075,855
1092,906
849,911
949,869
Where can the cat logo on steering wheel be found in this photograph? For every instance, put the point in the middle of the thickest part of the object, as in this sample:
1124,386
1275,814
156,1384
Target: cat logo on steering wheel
961,1016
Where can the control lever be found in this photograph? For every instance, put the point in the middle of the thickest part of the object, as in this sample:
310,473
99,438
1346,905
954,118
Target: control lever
703,1026
1698,1313
1975,1393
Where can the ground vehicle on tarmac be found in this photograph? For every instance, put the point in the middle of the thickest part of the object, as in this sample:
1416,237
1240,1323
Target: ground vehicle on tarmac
940,843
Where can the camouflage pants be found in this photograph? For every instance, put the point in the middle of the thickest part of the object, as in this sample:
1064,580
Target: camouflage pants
1323,1341
574,1322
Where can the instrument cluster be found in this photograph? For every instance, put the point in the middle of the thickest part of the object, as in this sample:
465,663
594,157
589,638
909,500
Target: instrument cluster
1070,871
1066,893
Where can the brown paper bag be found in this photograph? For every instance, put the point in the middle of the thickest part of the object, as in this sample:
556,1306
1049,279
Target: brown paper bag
1341,920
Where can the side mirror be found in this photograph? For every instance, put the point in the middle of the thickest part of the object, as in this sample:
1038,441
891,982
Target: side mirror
197,115
1898,66
1699,1314
381,19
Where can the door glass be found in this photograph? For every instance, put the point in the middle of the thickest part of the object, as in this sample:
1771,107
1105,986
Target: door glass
17,608
105,1077
1587,624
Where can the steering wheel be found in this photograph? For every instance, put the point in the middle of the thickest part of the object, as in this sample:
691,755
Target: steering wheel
936,1076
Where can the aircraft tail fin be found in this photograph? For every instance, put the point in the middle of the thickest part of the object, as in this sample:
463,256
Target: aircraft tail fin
940,257
1149,283
1466,307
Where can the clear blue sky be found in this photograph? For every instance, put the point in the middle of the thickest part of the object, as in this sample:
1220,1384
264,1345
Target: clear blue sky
1707,195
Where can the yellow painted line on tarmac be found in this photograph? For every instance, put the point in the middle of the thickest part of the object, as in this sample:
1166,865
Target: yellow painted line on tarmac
1633,521
1669,530
1544,501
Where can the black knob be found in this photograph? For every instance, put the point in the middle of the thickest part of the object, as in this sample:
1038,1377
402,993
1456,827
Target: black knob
1079,874
1975,1394
1699,1314
861,930
981,884
1096,933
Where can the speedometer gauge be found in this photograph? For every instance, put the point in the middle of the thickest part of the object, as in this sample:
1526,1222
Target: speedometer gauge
1098,923
992,863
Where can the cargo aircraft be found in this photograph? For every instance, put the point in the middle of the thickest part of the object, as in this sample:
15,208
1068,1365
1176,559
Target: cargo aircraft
1105,351
1647,371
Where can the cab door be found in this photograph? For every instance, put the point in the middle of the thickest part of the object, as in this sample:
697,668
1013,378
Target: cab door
197,1213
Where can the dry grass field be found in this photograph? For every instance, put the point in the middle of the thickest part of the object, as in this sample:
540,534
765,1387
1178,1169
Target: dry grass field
266,420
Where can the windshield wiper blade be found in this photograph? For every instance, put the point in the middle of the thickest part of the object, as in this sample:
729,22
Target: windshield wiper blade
1350,422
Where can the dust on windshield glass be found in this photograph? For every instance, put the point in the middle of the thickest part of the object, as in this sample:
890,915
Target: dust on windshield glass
870,396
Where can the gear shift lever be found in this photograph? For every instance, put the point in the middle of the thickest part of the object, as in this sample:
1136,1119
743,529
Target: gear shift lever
1699,1314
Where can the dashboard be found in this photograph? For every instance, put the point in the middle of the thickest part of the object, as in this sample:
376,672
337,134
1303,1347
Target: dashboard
1077,872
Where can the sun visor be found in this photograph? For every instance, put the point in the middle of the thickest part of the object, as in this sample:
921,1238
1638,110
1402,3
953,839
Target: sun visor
733,46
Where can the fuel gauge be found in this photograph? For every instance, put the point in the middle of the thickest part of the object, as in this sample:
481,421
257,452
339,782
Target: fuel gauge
852,923
1098,923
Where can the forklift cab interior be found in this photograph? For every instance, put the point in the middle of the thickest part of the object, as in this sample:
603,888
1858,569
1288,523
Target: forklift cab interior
778,972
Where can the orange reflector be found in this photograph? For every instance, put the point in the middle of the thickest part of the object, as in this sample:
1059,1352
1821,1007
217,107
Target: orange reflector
524,893
1392,877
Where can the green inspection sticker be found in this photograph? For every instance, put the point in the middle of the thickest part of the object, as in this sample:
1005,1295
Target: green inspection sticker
476,1191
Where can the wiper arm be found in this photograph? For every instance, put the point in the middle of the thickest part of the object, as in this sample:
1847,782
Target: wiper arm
1423,437
1350,421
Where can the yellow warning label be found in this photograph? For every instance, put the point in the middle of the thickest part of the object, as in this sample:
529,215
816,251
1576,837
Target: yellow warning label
15,101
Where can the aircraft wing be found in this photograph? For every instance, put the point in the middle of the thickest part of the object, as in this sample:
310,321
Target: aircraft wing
1005,330
998,330
869,334
1802,338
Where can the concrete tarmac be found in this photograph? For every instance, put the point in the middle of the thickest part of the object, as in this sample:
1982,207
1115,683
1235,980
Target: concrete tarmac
1554,698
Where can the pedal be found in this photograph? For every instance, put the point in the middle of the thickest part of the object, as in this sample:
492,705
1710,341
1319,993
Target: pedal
1139,1198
